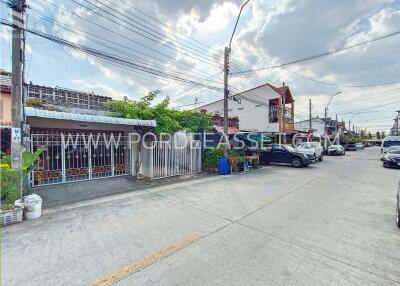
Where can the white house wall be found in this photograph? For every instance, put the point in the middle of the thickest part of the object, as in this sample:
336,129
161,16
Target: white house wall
252,116
317,124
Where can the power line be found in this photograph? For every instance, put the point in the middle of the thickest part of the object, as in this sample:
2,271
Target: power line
335,84
88,36
118,34
323,54
197,48
109,57
174,48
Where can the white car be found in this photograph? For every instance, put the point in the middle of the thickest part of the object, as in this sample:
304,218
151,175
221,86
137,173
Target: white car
388,142
309,152
316,147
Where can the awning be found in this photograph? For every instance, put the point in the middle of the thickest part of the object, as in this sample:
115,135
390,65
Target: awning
35,112
260,138
231,130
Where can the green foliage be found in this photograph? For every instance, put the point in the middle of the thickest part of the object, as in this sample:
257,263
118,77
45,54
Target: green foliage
10,185
369,135
10,179
212,155
378,135
234,156
168,120
28,159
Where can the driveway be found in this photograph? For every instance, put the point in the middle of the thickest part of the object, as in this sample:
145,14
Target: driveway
331,223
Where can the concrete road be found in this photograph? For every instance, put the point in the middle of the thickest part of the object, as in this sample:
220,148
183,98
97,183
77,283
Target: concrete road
332,223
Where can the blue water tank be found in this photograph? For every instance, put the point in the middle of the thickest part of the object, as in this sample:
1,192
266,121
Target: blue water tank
223,166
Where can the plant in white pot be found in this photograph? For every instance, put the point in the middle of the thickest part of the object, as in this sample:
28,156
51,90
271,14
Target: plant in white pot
11,188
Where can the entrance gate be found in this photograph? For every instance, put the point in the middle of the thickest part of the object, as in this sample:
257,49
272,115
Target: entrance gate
70,157
160,159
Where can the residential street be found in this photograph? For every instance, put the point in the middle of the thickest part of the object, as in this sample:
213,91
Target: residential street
332,223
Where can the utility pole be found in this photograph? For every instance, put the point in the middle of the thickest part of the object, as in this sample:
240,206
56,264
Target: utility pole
309,107
18,9
284,116
18,54
325,129
398,123
226,97
226,73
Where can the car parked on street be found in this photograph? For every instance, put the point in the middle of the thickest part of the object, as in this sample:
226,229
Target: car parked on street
316,146
392,157
350,147
284,154
388,142
359,146
336,150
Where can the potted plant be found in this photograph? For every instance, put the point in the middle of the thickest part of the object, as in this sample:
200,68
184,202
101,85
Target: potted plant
11,189
210,161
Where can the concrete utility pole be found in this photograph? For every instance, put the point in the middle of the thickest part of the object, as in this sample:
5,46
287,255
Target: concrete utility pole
309,107
18,9
326,110
226,96
398,122
284,116
226,73
325,129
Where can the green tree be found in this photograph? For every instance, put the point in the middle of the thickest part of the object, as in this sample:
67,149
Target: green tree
369,135
383,134
168,120
378,135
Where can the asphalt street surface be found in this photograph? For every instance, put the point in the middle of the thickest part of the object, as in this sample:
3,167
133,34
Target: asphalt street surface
332,223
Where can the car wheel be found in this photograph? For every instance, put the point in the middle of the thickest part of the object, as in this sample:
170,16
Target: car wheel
398,213
321,157
297,162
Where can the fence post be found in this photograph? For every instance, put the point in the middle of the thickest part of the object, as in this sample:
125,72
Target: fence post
63,159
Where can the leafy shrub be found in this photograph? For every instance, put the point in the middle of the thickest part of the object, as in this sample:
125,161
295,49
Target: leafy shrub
212,155
10,179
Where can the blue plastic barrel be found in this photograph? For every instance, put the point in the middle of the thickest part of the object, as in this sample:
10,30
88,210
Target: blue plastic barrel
223,166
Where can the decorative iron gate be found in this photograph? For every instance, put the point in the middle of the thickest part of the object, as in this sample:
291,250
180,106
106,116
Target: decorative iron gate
80,156
160,159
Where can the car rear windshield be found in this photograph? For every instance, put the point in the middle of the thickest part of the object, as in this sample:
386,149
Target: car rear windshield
387,144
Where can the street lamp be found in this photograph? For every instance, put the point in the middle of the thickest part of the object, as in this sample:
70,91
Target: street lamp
326,109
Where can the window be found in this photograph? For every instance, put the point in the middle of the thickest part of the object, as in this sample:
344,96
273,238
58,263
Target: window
229,110
240,108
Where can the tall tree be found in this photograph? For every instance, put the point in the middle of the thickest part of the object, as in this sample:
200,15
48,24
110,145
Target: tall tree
378,135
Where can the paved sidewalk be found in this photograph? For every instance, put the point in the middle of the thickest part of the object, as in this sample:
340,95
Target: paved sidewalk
62,194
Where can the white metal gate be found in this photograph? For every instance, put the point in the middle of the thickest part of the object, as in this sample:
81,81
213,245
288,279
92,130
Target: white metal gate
80,156
160,159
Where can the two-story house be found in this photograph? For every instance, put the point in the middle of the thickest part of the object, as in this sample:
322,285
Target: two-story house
260,110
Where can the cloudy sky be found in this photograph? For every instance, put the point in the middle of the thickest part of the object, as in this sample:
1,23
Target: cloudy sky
185,39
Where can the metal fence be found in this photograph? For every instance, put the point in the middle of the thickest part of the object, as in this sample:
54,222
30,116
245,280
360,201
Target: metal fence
161,159
79,156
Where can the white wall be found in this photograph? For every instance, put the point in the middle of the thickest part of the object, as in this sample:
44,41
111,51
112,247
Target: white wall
316,124
252,116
